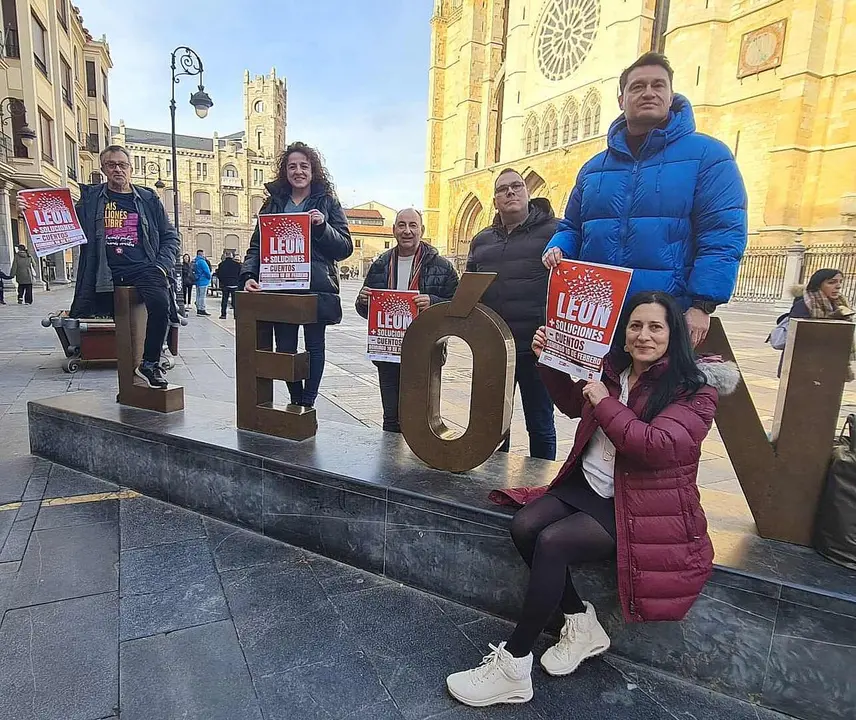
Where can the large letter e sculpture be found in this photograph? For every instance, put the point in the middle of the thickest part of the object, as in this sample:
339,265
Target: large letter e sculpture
258,366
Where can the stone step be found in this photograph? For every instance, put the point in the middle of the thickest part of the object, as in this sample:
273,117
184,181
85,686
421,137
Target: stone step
774,627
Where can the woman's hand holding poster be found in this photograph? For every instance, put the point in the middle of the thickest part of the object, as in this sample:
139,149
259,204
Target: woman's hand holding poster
285,251
584,304
390,314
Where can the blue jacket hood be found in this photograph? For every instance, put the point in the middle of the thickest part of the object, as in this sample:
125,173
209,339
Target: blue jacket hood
681,123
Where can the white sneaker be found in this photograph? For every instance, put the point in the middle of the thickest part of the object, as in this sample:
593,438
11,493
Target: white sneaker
501,678
582,637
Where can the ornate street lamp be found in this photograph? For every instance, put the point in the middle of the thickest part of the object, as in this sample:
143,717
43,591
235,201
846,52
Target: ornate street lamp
185,61
14,108
153,168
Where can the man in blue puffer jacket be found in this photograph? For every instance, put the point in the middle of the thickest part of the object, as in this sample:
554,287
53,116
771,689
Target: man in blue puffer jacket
662,199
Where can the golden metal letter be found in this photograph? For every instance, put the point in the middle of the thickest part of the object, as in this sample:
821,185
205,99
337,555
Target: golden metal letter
492,396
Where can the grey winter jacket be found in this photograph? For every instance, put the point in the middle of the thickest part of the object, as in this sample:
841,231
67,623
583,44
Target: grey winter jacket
157,236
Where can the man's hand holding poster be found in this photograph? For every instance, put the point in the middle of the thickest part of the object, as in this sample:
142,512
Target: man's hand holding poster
285,251
390,314
584,303
51,220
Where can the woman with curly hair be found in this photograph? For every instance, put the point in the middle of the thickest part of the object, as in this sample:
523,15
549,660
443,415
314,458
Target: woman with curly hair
303,185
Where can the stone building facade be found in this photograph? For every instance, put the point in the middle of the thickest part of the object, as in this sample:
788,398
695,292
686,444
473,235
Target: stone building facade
54,79
220,179
533,84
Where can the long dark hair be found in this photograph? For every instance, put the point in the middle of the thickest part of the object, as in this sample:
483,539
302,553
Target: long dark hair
682,378
820,277
320,174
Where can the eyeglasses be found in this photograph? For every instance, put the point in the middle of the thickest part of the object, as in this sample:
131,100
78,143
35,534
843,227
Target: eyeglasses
516,187
110,165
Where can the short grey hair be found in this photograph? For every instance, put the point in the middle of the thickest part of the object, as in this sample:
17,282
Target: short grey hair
113,149
421,221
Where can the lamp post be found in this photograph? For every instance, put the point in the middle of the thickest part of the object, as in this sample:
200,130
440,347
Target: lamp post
11,108
154,168
185,61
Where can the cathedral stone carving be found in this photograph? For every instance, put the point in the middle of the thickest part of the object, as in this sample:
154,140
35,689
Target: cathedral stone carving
565,35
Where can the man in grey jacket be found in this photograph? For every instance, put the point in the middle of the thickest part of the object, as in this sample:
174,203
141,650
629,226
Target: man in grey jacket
131,242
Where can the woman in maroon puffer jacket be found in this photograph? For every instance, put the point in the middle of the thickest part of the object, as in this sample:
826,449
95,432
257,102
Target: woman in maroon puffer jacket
627,491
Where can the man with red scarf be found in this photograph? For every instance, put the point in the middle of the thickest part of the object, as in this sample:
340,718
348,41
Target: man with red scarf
411,265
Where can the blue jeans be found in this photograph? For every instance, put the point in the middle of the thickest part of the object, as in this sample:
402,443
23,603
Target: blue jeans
306,391
537,409
201,293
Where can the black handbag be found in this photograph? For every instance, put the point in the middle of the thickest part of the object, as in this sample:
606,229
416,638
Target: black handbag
835,524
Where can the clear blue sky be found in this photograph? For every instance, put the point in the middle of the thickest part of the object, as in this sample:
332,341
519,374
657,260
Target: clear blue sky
357,76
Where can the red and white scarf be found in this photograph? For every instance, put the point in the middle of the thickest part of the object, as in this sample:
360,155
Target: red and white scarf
415,270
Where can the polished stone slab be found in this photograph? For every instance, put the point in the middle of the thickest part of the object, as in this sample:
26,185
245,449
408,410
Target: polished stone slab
360,497
59,661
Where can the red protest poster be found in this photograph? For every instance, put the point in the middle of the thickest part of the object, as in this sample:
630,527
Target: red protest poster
285,251
390,314
51,220
584,304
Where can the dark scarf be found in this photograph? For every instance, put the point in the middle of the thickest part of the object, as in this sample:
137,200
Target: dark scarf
415,270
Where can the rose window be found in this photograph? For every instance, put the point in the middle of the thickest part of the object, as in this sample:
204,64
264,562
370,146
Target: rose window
565,35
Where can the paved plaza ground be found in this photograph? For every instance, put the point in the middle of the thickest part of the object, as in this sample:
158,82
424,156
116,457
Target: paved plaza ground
117,606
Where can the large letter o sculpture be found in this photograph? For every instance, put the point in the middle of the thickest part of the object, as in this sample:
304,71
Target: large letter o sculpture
492,397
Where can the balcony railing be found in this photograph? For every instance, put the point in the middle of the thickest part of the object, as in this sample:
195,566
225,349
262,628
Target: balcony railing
10,47
72,173
40,64
200,211
92,143
231,182
66,96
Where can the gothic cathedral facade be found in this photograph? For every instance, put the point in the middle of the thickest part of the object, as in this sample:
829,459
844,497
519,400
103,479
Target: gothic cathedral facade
533,84
220,178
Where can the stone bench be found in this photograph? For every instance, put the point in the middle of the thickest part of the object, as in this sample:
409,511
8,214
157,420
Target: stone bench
775,626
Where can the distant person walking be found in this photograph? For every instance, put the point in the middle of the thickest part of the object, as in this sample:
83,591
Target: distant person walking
187,279
304,185
228,275
202,273
410,265
822,299
24,272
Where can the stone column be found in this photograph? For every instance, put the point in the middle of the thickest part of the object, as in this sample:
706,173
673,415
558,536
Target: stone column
793,269
7,250
59,264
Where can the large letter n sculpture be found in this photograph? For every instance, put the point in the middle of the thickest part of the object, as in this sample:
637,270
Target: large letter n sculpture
258,366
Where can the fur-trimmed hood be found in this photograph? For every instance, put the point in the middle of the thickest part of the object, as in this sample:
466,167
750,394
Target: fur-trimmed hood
724,377
798,290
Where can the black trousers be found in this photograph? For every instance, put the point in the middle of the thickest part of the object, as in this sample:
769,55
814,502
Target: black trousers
550,536
187,291
228,292
25,293
389,376
153,288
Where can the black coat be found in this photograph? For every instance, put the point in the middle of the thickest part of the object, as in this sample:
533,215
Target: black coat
330,243
437,279
228,273
519,293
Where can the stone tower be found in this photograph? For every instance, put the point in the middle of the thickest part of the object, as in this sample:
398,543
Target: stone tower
265,112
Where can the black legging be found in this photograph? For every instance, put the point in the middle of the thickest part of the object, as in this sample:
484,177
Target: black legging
187,289
550,536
